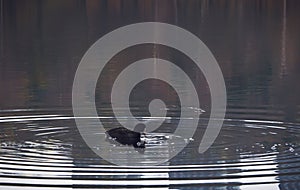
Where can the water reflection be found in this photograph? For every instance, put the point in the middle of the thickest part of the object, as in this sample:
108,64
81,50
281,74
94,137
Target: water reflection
256,44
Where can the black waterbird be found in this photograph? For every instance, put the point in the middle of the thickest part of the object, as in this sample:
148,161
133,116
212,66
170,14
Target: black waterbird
125,136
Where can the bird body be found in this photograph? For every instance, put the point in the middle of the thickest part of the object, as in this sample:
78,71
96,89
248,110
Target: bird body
126,137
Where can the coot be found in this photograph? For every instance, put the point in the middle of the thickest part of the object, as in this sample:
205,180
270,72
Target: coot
126,137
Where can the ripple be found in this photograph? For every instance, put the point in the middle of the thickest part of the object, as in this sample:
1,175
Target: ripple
40,150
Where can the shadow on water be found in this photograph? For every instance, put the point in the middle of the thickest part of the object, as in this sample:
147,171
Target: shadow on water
256,44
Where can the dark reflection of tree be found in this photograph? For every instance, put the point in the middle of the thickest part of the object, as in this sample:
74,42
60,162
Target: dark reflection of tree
42,41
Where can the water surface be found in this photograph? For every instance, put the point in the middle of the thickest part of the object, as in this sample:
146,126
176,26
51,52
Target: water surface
256,44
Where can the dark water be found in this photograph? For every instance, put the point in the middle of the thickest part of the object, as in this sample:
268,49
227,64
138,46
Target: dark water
256,44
